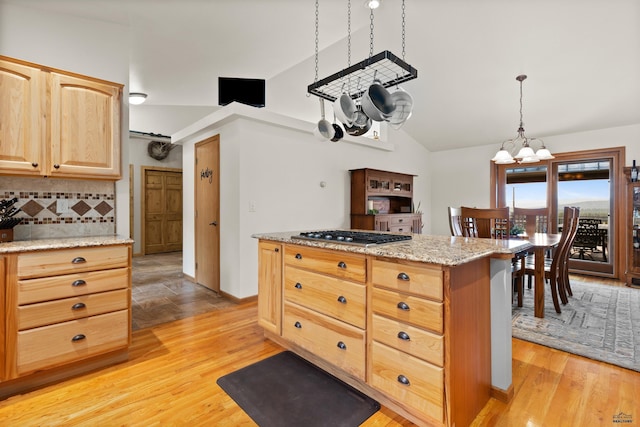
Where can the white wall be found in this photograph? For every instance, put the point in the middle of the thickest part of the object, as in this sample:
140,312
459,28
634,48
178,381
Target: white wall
88,47
279,169
462,177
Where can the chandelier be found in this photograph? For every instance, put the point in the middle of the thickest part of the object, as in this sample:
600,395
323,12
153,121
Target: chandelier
521,144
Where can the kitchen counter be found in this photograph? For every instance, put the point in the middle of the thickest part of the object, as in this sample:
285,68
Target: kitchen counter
441,250
451,255
62,243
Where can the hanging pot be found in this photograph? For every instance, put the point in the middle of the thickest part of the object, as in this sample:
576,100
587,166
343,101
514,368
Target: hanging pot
339,133
377,102
324,129
345,109
361,124
404,107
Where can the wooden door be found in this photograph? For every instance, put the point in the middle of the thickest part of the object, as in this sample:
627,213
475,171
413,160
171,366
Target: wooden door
162,211
207,212
85,127
21,95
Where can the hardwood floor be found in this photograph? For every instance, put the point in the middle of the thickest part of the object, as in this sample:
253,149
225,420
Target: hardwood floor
170,380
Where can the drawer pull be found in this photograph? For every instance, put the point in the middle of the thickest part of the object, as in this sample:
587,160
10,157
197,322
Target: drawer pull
78,260
298,286
404,336
298,256
78,337
79,282
277,250
400,220
341,264
403,276
78,306
403,306
341,345
342,299
403,380
297,325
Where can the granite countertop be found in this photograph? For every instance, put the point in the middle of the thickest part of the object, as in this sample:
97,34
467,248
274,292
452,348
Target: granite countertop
62,243
443,250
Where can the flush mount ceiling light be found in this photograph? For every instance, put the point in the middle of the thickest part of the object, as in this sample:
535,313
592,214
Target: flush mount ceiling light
521,144
372,4
137,98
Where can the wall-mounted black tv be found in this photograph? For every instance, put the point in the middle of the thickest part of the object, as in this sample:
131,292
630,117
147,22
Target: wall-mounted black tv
246,91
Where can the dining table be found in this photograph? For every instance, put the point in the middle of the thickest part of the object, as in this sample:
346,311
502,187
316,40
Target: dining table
541,243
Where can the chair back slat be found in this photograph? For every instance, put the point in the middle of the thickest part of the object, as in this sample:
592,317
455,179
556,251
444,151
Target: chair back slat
485,223
532,220
455,225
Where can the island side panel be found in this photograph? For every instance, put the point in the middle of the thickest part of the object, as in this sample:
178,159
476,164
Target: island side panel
468,340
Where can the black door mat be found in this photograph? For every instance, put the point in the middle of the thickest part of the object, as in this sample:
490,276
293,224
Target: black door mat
286,390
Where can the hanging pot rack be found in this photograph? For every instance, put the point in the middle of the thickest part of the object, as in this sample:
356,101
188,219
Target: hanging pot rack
384,66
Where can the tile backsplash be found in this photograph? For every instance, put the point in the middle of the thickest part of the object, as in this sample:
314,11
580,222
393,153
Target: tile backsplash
53,208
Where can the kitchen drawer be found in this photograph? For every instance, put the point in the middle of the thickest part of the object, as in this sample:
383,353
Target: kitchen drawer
419,280
339,264
65,261
409,309
397,219
423,386
47,313
334,297
338,343
53,345
57,287
406,228
410,339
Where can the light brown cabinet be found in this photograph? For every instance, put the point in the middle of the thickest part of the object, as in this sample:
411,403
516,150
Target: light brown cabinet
58,124
64,307
383,201
325,306
414,336
270,286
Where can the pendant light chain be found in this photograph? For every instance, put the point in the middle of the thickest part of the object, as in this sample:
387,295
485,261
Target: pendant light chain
403,29
371,34
521,124
317,32
349,33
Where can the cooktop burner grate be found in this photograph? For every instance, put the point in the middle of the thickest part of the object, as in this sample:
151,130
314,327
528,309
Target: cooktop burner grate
352,237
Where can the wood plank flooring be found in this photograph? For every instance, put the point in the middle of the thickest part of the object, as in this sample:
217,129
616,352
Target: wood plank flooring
170,380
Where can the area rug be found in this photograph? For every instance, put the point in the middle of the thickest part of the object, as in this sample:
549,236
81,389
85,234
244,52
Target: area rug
601,322
286,390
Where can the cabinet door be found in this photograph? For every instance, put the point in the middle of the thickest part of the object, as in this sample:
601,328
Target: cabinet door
20,131
270,286
85,128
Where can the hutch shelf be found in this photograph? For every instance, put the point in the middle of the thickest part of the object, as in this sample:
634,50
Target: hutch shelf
383,201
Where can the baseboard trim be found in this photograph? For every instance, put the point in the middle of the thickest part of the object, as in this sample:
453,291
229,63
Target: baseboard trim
238,300
502,395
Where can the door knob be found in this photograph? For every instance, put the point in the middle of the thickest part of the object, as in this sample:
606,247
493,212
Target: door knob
214,223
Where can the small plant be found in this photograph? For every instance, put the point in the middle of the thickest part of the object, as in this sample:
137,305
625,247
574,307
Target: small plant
373,211
416,209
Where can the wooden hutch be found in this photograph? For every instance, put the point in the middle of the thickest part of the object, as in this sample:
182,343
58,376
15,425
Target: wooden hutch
383,201
632,233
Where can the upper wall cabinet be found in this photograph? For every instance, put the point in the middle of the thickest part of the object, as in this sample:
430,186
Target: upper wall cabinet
60,124
21,115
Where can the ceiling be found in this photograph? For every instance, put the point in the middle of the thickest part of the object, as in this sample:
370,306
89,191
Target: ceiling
582,57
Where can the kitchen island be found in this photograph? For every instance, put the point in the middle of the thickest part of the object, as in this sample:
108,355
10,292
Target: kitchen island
423,326
66,308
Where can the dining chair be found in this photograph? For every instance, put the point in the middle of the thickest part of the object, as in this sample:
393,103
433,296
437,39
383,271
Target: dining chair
531,220
555,269
455,225
564,285
485,223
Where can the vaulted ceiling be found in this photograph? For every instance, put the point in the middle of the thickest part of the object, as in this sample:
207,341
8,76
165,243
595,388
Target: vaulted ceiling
582,57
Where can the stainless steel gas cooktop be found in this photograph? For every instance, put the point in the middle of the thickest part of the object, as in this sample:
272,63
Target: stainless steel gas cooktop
361,238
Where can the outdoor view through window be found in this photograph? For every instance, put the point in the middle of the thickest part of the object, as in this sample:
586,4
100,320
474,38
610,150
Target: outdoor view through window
586,185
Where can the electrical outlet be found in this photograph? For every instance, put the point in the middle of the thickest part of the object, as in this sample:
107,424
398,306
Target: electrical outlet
252,206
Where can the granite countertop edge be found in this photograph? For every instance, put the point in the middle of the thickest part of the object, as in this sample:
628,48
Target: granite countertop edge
442,250
62,243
